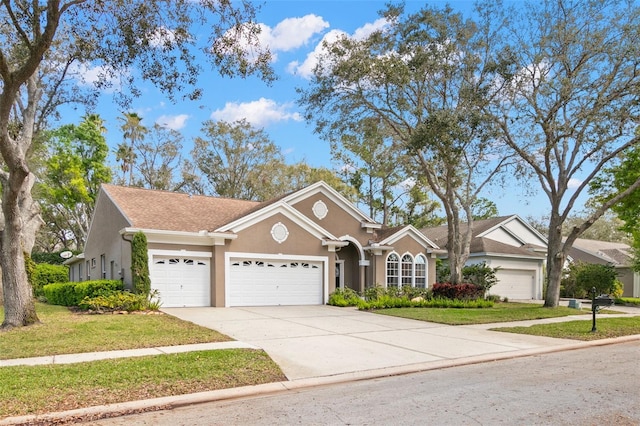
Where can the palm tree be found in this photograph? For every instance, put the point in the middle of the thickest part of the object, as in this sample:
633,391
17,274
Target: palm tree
133,131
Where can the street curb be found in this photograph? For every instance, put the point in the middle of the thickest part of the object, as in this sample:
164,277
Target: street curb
171,402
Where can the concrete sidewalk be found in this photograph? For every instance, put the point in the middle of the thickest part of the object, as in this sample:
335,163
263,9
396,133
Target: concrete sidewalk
128,353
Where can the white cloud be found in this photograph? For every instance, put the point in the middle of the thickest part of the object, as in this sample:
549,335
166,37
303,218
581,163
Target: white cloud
291,33
259,113
305,69
86,75
367,29
173,122
574,183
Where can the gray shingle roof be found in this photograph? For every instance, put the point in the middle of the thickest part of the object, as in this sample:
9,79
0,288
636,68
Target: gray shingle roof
172,211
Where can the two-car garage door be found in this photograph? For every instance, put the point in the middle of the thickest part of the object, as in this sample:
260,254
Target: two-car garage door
263,282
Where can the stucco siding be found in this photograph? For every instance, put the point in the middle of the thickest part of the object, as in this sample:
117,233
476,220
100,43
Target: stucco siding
104,239
337,221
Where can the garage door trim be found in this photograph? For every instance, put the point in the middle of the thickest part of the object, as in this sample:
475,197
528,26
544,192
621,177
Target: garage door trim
276,257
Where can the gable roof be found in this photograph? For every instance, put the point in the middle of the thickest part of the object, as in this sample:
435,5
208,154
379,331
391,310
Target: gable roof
600,252
390,235
173,211
481,244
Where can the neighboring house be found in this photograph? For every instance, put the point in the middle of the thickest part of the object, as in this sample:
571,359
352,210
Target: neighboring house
609,253
510,244
207,251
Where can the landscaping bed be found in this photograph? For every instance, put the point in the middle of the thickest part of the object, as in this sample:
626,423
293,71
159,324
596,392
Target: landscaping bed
499,312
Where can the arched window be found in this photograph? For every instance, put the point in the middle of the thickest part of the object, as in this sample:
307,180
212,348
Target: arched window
407,270
421,271
392,270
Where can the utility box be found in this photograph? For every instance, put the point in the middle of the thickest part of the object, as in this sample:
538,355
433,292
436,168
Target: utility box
575,304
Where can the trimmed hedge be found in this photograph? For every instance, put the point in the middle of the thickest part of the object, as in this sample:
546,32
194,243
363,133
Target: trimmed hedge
73,293
44,273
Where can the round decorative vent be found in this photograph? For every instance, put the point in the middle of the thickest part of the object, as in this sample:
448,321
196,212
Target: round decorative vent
279,232
320,209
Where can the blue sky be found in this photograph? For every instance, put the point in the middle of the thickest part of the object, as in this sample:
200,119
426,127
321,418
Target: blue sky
293,30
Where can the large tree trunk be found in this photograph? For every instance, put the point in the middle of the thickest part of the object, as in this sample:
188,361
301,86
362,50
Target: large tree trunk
555,262
18,294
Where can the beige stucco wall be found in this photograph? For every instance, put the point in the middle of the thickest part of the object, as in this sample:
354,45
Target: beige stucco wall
337,221
104,238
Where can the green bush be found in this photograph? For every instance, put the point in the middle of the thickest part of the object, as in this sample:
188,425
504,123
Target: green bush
42,274
631,301
121,301
72,293
581,277
386,302
344,297
479,274
140,264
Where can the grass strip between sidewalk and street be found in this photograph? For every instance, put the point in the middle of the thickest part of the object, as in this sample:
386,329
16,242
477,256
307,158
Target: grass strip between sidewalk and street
64,332
500,312
581,330
28,390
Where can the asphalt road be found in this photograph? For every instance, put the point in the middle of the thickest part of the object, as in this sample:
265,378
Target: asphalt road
594,386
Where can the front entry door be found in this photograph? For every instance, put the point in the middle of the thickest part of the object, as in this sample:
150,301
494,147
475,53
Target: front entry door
339,273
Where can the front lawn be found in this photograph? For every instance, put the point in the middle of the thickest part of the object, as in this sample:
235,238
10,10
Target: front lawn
63,332
35,390
500,312
581,330
40,389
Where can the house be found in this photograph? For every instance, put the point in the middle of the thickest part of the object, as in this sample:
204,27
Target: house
208,251
609,253
510,244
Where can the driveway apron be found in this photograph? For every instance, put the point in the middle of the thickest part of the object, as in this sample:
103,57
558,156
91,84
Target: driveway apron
316,341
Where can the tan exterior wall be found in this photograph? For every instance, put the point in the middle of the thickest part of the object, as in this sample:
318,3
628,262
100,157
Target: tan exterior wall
625,276
104,239
337,221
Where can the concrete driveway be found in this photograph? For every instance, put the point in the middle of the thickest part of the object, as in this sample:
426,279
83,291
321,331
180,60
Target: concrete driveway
316,341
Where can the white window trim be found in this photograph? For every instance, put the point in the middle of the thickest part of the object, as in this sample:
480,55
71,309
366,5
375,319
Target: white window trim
426,269
412,274
386,269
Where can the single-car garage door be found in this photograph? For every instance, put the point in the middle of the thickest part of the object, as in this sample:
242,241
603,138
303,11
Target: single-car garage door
181,280
515,284
256,282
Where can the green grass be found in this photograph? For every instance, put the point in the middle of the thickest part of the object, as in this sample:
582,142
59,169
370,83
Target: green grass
42,389
63,332
500,312
581,330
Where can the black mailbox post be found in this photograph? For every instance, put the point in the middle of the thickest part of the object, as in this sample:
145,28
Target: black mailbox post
597,302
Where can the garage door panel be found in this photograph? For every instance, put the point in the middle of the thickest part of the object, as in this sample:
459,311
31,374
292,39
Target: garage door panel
181,281
515,284
255,282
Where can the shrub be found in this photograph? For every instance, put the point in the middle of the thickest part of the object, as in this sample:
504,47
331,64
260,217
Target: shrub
72,293
373,293
632,301
479,274
466,291
344,297
140,264
386,302
582,277
115,301
42,274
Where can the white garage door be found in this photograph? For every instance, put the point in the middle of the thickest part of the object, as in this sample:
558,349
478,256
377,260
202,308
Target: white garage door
181,281
515,284
255,282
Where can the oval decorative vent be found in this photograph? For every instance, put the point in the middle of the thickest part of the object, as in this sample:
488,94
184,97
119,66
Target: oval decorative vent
279,232
320,209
